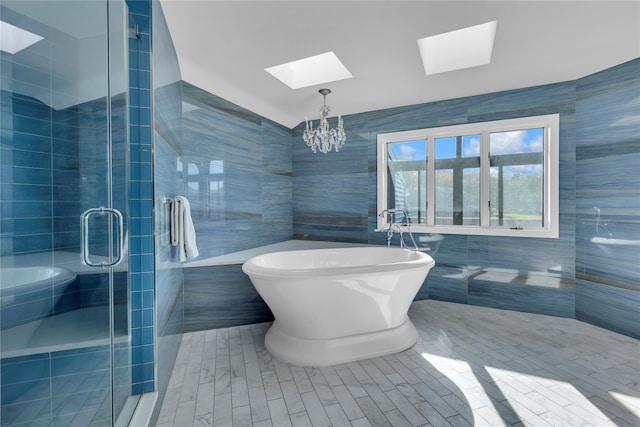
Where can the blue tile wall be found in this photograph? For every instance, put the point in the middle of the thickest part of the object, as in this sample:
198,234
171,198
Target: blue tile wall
141,266
219,297
249,159
26,183
330,192
608,199
607,306
447,280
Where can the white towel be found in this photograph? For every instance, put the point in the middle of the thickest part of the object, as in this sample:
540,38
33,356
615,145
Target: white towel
183,234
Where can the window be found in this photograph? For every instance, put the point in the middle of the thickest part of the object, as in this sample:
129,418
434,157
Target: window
495,178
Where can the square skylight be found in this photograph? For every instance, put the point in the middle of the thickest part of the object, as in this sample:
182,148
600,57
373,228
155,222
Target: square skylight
314,70
14,39
455,50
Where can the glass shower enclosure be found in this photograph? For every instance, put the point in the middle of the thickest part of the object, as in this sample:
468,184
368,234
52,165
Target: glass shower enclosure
64,288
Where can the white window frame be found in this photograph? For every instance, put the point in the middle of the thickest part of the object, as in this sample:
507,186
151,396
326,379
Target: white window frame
551,125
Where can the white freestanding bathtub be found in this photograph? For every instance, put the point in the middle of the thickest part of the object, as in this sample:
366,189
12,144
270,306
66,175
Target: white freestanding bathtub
338,305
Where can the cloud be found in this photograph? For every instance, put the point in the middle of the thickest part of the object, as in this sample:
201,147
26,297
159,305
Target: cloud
473,148
406,152
518,141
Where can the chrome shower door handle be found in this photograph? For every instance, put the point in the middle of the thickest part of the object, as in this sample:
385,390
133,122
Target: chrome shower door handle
84,231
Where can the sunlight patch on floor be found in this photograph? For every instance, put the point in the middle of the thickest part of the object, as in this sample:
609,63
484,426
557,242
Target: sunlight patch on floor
629,402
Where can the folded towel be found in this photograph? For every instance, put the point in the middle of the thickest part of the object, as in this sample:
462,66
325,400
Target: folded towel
183,234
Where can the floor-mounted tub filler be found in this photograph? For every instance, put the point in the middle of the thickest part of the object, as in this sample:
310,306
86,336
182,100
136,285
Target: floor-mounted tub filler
338,305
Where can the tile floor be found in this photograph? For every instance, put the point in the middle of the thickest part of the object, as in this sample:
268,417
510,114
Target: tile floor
471,366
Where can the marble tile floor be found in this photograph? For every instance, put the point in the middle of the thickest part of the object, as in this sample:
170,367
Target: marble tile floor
471,366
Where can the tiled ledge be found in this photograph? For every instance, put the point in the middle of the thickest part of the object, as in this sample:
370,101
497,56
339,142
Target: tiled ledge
288,245
70,260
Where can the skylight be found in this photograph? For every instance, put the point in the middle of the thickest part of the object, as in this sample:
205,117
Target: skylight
314,70
14,39
455,50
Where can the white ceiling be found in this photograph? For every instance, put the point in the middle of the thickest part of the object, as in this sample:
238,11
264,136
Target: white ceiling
223,47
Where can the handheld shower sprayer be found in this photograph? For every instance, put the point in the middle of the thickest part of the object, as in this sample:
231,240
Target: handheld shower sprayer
392,226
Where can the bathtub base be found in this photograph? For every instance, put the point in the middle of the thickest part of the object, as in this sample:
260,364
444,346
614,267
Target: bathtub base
307,352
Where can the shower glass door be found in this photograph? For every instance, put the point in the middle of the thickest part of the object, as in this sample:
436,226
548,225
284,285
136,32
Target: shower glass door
64,292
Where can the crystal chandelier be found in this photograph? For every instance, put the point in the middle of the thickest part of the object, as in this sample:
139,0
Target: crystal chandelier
324,138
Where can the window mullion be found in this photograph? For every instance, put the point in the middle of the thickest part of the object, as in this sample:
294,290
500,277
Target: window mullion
485,180
431,179
381,181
